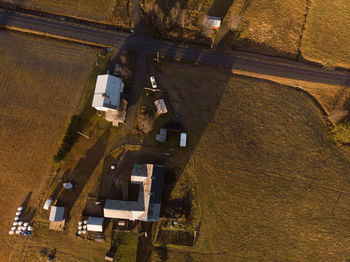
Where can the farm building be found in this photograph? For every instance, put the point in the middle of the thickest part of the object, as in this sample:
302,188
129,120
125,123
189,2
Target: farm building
213,21
161,107
57,218
161,137
107,92
95,224
147,207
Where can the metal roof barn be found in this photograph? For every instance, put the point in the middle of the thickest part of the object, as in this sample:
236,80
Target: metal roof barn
95,224
57,213
107,92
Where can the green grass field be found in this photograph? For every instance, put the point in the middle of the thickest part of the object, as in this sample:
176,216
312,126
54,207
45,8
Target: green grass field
271,183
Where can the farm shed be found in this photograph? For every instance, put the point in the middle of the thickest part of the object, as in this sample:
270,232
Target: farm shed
213,22
95,224
57,213
48,203
57,218
161,107
183,139
161,137
107,92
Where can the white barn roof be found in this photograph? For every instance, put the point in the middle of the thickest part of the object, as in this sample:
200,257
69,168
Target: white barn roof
107,92
95,224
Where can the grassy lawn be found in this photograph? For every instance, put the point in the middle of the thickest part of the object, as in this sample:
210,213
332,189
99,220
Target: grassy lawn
326,38
271,182
117,12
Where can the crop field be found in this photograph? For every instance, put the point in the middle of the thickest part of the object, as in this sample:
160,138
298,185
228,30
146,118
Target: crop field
42,82
268,180
117,12
326,38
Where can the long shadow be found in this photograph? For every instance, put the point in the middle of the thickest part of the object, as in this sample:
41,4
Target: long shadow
83,171
220,8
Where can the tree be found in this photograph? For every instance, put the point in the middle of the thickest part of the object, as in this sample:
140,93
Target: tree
182,18
233,21
145,123
124,71
123,59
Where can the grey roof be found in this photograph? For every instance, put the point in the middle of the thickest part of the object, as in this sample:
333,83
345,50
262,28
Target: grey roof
95,220
56,213
157,184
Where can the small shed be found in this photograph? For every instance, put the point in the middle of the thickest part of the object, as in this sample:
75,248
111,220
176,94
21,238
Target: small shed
95,224
57,218
161,107
109,256
183,139
48,203
161,137
57,213
213,22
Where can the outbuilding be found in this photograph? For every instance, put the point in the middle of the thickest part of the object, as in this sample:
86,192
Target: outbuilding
95,224
57,218
213,22
161,107
48,203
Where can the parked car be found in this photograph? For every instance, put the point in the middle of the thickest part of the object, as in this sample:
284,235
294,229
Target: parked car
153,81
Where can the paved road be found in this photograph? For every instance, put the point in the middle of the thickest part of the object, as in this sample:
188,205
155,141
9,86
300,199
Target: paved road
150,46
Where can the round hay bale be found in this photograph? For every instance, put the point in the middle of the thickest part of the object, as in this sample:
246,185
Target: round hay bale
20,208
11,232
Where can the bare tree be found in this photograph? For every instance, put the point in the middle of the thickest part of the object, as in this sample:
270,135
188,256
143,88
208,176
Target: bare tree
205,26
233,21
161,19
145,123
182,18
173,16
123,59
124,71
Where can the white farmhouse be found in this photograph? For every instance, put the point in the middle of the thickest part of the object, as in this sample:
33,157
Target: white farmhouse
107,92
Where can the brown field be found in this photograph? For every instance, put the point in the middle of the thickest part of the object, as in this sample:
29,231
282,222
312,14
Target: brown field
117,12
326,38
271,183
42,85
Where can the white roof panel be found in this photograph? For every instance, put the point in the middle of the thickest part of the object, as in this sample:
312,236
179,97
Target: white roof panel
107,92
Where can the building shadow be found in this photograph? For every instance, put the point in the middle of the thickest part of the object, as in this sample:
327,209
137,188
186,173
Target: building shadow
220,8
82,172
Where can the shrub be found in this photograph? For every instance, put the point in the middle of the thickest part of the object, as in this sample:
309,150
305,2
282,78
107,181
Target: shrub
70,137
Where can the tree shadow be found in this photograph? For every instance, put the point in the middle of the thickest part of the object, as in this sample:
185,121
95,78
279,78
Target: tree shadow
83,171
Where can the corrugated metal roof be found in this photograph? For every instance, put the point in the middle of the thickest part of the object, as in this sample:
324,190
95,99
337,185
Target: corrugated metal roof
107,92
157,184
56,213
95,224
